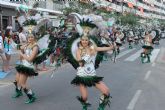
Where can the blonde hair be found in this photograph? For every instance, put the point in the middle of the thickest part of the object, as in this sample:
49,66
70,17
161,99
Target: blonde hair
31,35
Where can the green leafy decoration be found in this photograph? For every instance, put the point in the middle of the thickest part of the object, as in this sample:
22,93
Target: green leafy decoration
87,23
71,58
30,22
42,56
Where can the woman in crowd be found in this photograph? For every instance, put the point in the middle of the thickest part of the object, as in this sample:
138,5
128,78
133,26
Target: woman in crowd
8,49
2,53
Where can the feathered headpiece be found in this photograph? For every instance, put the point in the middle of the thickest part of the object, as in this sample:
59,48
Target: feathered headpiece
32,22
30,19
87,26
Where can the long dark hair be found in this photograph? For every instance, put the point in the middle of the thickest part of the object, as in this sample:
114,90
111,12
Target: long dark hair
7,33
20,29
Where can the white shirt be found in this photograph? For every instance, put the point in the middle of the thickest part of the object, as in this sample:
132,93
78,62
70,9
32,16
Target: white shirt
1,42
22,38
1,45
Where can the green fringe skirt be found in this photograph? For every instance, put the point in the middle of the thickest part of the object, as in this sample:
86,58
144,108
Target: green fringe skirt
147,47
21,69
88,81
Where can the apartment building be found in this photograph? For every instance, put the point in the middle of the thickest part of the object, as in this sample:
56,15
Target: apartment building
8,11
145,8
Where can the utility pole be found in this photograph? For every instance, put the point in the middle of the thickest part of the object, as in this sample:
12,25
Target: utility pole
1,11
122,5
136,6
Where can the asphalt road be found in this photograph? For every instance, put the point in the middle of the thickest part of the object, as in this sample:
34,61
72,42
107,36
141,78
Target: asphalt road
133,85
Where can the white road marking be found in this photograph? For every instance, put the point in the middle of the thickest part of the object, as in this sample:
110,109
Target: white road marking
155,53
147,75
134,100
4,84
134,56
124,53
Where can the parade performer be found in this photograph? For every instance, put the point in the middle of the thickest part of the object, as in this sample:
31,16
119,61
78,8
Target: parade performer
26,69
31,52
130,39
118,37
147,48
84,55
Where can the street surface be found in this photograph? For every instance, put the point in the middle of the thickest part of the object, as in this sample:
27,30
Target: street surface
133,85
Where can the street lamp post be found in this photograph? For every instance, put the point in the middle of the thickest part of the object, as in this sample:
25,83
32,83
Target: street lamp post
0,22
1,18
136,6
122,5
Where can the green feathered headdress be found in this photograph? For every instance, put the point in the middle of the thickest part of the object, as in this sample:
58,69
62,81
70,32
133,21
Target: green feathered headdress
30,22
87,24
72,42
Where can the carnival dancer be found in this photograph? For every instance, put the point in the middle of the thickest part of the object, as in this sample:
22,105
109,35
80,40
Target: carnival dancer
86,74
147,48
130,39
26,69
136,39
118,37
104,36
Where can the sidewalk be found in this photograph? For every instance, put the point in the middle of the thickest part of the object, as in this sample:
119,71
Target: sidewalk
14,59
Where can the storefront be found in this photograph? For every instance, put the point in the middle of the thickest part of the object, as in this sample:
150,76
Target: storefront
7,17
8,13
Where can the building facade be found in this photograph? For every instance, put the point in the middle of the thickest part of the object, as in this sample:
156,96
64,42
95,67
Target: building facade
145,8
6,16
8,11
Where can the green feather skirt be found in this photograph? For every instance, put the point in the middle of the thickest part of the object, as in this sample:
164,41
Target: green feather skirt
21,69
147,47
88,81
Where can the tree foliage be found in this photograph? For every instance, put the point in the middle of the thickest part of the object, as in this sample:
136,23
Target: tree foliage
129,19
78,7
